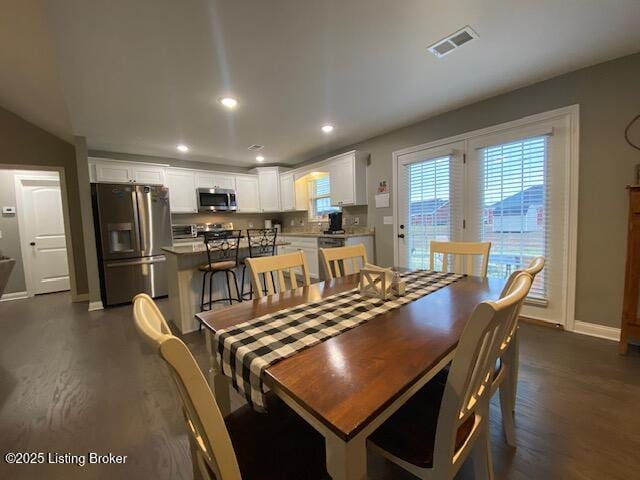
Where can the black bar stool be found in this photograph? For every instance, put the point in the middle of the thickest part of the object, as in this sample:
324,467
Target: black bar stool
222,256
262,243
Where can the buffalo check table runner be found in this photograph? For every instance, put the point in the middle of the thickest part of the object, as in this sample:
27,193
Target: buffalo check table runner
245,350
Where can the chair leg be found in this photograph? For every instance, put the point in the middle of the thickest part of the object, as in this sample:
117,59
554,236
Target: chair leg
211,290
244,269
226,275
235,282
505,408
514,359
481,455
204,282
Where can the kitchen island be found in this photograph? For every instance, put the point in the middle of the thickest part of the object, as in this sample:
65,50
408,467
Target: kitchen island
185,281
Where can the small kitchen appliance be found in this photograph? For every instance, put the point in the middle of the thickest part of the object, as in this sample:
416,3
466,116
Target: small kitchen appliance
335,224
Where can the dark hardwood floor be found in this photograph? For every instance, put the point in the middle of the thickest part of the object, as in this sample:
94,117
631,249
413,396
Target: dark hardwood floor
73,381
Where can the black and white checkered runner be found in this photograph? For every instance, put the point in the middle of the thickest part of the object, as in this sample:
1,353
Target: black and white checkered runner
245,350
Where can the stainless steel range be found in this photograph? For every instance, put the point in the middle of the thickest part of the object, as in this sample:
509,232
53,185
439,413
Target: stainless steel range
133,223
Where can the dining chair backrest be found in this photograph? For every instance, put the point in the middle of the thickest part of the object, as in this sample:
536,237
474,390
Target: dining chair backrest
204,419
336,260
150,321
535,266
467,391
262,241
222,245
277,266
459,251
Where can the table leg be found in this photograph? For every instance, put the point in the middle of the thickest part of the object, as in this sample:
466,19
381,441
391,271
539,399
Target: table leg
346,460
217,381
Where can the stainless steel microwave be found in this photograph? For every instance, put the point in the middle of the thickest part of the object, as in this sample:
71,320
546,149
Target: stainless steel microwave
216,200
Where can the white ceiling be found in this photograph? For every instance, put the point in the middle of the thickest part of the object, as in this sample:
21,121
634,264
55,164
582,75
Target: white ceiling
142,76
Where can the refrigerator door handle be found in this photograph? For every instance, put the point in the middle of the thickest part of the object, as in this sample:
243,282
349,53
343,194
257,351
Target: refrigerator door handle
138,261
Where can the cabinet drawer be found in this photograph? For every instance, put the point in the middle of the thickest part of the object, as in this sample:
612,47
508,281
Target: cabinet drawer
301,242
635,201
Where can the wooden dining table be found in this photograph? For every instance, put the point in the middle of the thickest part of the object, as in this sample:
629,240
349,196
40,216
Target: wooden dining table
348,385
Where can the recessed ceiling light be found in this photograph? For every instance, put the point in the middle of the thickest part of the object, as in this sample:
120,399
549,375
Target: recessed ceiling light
260,158
183,148
228,102
327,128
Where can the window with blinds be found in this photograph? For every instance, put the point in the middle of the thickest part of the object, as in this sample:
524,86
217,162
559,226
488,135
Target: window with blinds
514,215
320,199
430,212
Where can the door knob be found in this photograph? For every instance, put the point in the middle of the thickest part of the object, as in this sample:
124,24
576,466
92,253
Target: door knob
33,244
401,235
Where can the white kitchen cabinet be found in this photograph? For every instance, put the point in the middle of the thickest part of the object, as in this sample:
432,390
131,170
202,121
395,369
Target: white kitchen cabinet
269,181
348,179
248,193
215,180
287,192
115,171
309,246
367,241
182,190
294,195
147,174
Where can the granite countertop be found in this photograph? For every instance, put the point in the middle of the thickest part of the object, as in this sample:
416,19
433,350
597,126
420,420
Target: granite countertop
328,235
196,248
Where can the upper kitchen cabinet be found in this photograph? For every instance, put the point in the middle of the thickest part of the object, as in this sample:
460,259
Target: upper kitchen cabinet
115,171
269,181
248,193
348,178
182,190
215,180
294,195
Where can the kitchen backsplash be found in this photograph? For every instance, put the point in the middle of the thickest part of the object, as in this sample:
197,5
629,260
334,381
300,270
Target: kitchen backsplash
240,221
300,220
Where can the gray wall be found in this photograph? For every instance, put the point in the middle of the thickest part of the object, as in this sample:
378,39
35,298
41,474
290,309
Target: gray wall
10,241
25,146
609,96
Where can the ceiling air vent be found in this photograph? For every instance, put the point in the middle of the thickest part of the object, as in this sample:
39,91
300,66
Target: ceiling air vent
455,40
255,147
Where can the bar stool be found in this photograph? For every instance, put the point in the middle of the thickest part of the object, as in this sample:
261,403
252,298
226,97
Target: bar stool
222,256
262,243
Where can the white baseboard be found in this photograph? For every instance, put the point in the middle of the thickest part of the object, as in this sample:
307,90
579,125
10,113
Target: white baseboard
595,330
93,306
13,296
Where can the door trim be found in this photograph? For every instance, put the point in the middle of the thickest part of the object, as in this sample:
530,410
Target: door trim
53,177
571,112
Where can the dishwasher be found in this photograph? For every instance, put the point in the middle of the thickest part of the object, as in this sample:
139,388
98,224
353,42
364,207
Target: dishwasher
328,242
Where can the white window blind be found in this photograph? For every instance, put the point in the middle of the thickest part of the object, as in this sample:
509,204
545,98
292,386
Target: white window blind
433,211
321,198
514,216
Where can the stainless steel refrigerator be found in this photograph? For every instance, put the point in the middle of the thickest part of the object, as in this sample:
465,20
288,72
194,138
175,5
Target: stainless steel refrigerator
133,223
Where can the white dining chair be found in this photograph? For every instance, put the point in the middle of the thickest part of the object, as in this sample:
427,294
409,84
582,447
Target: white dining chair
341,261
278,265
505,378
243,446
459,251
445,423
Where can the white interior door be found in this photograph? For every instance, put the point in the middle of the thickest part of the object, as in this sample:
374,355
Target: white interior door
42,235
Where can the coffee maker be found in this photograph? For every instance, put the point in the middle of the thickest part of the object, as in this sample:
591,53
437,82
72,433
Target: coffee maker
335,223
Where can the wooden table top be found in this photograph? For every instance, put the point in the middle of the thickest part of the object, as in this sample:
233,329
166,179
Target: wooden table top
346,381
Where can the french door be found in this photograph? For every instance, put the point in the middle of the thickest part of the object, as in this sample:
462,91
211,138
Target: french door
508,187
